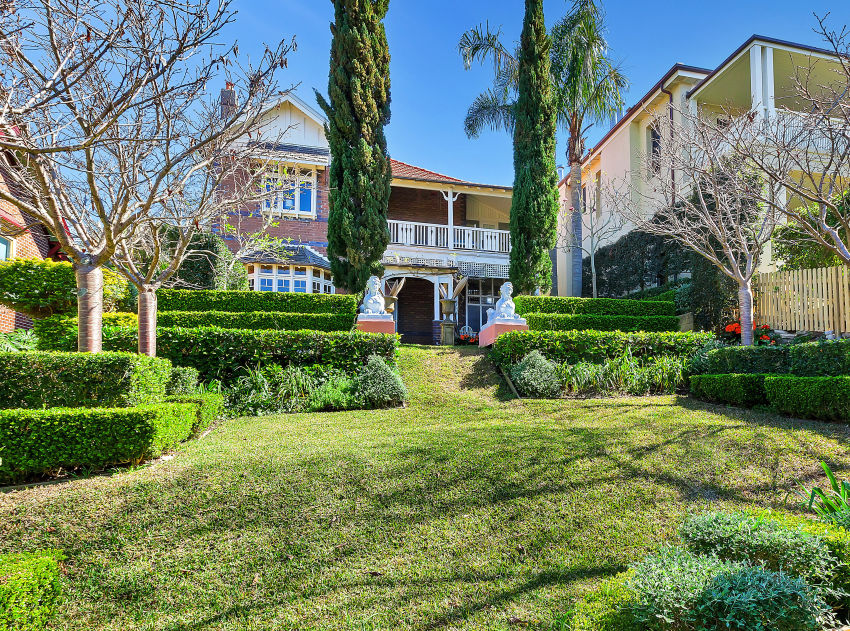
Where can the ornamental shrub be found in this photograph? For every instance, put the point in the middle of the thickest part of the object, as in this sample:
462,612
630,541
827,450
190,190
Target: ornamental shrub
821,398
29,590
749,359
183,381
44,288
209,264
740,390
624,374
250,301
38,380
561,322
379,386
337,392
17,341
593,306
37,442
820,359
258,320
59,332
605,609
536,377
209,407
270,389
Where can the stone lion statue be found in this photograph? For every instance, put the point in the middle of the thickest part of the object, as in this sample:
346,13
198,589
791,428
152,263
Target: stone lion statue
505,308
373,301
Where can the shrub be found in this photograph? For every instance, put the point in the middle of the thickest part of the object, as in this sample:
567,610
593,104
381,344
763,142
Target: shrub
59,333
560,322
44,288
209,264
537,377
270,389
820,359
822,398
258,320
209,407
36,442
605,609
29,590
593,306
38,379
748,359
656,375
593,346
336,393
17,341
183,380
249,301
698,363
379,386
740,390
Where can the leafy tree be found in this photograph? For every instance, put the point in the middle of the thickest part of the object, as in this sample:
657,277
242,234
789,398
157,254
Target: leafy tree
209,264
358,111
797,249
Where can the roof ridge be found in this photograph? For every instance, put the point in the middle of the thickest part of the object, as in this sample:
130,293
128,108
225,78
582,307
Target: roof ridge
442,175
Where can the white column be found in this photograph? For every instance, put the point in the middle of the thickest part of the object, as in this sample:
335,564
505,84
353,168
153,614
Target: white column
756,80
451,197
436,281
768,81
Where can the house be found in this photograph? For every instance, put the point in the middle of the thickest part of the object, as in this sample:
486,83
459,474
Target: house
442,229
758,77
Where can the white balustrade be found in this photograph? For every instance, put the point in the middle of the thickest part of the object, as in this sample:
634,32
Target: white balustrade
437,236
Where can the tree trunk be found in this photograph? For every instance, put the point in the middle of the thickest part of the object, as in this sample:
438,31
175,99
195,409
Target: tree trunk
575,202
593,272
147,322
745,306
89,308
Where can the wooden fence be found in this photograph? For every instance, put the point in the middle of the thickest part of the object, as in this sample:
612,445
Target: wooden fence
805,300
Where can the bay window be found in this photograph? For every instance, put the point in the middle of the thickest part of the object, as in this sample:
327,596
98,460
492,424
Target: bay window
290,278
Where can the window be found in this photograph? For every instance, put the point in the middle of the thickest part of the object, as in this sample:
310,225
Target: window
266,284
481,294
283,285
317,287
654,149
251,284
291,191
5,248
300,286
288,278
266,269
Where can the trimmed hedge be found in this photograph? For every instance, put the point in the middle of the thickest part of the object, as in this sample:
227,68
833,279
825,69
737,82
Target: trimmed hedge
183,381
248,301
593,306
742,390
29,590
748,360
258,320
593,346
209,407
37,380
36,442
606,609
59,333
822,398
820,359
562,322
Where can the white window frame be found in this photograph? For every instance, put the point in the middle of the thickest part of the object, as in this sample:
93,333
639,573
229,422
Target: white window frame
280,179
11,242
287,274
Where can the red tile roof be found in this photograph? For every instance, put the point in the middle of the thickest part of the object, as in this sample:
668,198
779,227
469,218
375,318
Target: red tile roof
409,172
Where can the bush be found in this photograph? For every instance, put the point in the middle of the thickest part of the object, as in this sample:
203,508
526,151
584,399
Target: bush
698,363
209,407
59,333
592,306
822,398
537,377
29,590
249,301
183,380
624,374
258,320
336,393
748,359
605,609
379,386
17,341
39,380
593,346
820,359
740,390
270,389
560,322
44,288
36,442
209,264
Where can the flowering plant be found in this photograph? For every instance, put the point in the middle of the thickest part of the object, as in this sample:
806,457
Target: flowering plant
762,335
468,340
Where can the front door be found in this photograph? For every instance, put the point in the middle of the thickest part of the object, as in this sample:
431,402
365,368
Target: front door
415,311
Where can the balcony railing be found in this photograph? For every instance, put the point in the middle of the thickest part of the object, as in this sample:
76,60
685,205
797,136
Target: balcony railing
432,235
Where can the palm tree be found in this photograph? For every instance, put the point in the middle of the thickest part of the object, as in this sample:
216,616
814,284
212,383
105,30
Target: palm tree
588,88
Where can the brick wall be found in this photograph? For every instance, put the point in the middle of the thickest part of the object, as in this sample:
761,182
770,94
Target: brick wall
416,311
426,206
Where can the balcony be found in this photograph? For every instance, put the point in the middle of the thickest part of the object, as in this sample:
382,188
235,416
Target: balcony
430,235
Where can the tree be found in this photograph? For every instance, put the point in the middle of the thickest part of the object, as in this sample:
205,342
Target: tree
795,246
587,88
104,122
358,110
209,264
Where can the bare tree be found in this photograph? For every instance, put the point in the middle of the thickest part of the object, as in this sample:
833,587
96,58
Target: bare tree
106,111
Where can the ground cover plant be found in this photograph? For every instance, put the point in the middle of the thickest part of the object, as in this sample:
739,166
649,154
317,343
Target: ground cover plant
29,590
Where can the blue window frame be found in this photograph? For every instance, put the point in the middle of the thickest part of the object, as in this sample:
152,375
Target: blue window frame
283,285
306,194
266,284
301,286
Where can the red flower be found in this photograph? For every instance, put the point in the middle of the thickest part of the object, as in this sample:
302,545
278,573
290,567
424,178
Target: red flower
765,337
730,328
764,326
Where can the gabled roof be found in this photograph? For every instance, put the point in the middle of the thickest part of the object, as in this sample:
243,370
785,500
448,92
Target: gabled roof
312,113
404,171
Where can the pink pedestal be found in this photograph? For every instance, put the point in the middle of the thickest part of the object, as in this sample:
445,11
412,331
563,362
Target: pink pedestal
490,332
376,326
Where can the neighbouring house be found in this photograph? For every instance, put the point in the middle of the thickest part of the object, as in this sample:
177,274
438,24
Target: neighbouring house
758,77
442,229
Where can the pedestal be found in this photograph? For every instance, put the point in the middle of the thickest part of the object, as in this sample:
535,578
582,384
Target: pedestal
494,329
376,324
447,330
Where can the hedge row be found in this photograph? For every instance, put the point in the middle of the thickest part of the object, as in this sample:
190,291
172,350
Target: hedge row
209,407
593,306
29,590
744,390
562,322
37,380
248,301
594,346
815,359
258,320
59,333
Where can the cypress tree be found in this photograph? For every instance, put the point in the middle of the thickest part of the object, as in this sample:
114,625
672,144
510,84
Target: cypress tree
534,211
360,174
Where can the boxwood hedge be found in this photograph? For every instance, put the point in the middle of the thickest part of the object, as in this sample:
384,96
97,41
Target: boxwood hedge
749,359
742,390
258,320
29,590
593,306
37,379
36,442
59,332
209,407
248,301
586,322
820,359
822,398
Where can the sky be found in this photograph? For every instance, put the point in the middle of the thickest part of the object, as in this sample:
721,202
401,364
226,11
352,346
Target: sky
431,90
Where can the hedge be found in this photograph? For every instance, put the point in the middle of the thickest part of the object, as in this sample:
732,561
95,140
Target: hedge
209,407
744,390
823,398
36,442
820,359
594,346
29,590
258,320
593,306
562,322
248,301
37,379
748,359
183,380
59,333
606,608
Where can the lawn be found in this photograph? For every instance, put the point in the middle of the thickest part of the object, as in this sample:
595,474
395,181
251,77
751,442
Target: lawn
465,510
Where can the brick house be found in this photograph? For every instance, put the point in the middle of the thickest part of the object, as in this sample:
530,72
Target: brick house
442,229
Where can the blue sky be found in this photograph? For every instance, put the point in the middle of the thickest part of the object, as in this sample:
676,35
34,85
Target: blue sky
431,90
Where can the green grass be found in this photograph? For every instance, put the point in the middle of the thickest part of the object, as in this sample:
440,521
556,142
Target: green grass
465,510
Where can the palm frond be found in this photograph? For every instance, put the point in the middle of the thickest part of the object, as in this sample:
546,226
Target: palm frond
489,110
481,43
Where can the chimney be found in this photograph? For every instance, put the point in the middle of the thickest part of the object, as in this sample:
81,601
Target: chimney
228,100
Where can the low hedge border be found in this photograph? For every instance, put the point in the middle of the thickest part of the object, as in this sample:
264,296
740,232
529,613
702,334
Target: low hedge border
821,398
593,306
820,359
248,301
748,359
258,320
744,390
29,590
36,442
37,379
583,322
59,333
209,407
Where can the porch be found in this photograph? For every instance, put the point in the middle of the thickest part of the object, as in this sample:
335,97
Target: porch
431,235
